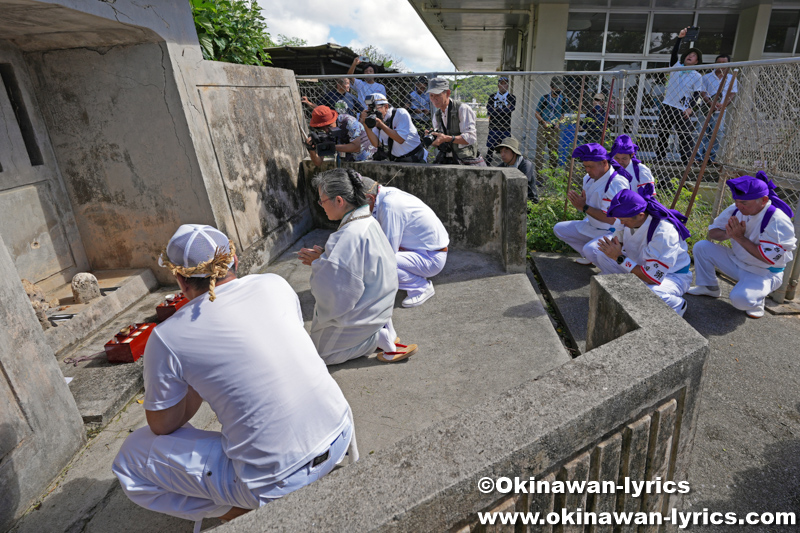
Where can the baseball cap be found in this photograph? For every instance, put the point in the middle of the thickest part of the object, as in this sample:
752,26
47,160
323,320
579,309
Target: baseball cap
438,85
193,244
376,98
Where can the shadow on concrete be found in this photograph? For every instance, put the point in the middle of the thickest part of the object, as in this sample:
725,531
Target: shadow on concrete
773,486
9,483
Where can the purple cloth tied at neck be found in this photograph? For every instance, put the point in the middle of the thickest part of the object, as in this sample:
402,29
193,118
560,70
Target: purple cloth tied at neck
628,204
752,188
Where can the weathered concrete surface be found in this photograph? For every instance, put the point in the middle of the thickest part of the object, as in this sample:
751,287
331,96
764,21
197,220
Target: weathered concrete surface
36,219
748,435
498,335
131,286
87,497
482,209
428,481
101,389
36,439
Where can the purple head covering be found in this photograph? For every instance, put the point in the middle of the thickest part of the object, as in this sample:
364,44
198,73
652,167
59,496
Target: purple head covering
752,188
620,170
624,145
628,204
590,152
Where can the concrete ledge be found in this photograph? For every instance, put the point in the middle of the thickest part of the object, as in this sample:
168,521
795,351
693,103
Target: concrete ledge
626,407
99,312
483,209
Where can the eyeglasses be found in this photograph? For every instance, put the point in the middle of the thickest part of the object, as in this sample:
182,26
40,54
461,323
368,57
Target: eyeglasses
321,202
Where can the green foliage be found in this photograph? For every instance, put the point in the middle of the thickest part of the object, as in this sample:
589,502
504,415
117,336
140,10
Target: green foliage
283,40
543,216
477,87
699,218
233,31
379,57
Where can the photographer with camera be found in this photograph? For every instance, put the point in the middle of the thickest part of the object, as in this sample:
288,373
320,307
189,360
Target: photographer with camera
455,134
393,129
348,137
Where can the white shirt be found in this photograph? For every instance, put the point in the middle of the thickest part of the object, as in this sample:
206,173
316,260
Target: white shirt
404,127
408,222
665,254
645,176
466,120
248,355
597,197
710,83
354,283
680,87
776,243
365,89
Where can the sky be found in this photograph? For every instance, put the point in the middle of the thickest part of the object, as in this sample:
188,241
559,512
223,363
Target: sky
390,25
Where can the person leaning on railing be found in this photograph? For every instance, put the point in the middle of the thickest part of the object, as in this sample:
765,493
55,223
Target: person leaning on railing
455,132
678,101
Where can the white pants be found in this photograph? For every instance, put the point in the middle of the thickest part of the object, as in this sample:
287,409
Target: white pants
569,233
414,267
750,289
671,290
187,474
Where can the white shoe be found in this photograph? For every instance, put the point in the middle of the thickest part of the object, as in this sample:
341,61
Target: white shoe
582,261
758,313
414,301
682,310
702,290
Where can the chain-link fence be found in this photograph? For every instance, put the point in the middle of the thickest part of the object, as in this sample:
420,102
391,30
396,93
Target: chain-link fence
696,124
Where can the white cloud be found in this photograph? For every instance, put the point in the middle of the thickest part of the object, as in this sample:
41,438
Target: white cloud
391,25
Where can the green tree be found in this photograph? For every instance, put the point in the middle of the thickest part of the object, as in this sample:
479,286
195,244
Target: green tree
233,31
379,57
283,40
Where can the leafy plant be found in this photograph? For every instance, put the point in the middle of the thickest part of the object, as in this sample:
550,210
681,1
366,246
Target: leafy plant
379,57
233,31
543,216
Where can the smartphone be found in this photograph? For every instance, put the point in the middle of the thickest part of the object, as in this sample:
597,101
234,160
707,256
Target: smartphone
692,33
363,59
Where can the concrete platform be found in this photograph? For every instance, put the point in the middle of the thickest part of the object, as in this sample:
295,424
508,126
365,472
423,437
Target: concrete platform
483,332
101,389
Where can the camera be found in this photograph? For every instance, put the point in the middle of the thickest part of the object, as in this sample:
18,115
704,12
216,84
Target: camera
372,114
428,140
324,142
380,155
363,59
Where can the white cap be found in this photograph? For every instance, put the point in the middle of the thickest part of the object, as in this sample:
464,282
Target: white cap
377,99
193,244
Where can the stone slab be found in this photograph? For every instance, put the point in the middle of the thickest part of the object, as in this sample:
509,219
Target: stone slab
128,286
788,307
101,389
483,332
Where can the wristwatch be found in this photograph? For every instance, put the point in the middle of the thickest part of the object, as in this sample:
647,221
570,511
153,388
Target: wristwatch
620,259
585,207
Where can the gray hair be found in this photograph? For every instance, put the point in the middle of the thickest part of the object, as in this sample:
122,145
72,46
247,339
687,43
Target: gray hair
370,185
344,182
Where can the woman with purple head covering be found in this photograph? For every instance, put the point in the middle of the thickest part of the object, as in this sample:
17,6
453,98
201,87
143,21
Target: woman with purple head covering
650,242
624,152
602,181
761,232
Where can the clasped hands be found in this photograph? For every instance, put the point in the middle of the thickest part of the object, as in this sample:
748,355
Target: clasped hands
611,247
309,255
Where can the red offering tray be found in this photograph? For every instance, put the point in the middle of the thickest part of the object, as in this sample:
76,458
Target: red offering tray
167,308
127,346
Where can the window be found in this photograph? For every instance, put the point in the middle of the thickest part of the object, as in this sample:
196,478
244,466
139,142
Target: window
665,29
626,33
717,33
782,32
585,32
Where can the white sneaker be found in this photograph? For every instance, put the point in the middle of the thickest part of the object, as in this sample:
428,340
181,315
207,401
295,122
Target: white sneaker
702,290
414,301
682,310
582,261
758,313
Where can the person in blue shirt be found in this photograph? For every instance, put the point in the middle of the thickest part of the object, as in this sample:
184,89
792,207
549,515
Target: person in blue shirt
419,105
340,99
549,112
499,108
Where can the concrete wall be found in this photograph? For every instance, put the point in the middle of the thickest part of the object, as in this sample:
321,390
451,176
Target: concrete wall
40,428
482,209
627,408
751,32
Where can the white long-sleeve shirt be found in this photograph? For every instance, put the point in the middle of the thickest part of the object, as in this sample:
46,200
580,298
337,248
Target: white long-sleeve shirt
665,254
597,196
408,222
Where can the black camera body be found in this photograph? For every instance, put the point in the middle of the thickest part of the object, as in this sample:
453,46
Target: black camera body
324,142
372,114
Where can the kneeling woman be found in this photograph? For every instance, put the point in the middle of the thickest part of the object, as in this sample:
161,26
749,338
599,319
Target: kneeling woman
354,279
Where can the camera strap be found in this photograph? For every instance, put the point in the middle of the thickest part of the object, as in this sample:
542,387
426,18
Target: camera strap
390,142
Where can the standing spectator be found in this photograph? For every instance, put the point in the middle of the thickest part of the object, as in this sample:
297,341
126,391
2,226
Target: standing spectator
341,99
367,86
420,105
454,124
549,113
353,145
676,110
709,86
593,122
499,108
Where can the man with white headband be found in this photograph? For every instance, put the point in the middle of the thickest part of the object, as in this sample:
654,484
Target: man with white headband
761,232
240,345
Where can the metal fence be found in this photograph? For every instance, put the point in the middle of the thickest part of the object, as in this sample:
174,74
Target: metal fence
725,133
